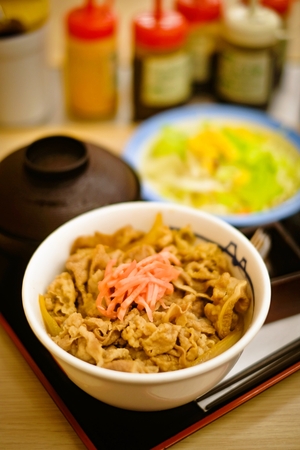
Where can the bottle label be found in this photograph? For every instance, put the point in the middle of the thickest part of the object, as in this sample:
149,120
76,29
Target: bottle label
166,80
202,45
244,77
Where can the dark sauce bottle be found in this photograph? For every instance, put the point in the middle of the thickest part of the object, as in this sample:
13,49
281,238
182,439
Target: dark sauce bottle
161,63
204,17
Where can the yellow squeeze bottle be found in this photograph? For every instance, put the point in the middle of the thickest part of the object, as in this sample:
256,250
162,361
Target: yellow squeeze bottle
90,66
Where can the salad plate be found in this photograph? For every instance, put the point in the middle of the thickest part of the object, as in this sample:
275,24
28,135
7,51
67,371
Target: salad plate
235,162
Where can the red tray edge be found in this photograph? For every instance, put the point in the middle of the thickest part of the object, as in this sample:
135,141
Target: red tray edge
164,445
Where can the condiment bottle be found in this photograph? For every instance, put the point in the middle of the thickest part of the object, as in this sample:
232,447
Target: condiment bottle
246,60
161,65
281,7
90,67
24,72
203,17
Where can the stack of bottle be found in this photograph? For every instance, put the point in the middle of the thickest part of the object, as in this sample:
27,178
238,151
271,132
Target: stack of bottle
199,46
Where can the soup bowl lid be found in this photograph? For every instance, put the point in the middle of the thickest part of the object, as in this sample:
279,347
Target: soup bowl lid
56,178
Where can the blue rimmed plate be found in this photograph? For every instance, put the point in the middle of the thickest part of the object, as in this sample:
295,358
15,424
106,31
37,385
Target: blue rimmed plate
190,116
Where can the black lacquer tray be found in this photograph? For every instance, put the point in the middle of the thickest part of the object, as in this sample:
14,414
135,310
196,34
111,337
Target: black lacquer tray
86,413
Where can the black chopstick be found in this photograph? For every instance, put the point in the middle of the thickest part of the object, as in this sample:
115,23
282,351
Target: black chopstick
256,379
255,374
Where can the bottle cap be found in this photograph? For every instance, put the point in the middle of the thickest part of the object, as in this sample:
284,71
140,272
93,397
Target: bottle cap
280,6
196,11
251,28
162,30
91,21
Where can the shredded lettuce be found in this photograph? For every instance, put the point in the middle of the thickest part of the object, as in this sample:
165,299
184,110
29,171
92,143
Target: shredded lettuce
223,168
170,141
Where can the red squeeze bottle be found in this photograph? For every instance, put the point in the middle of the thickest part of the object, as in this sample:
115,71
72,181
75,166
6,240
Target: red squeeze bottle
90,69
204,17
161,64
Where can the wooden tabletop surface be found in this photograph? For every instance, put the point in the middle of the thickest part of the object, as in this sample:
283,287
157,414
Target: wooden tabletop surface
29,419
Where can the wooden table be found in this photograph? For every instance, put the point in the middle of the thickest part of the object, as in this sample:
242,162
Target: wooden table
29,419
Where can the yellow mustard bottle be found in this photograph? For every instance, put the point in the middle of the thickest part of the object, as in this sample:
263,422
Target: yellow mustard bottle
90,66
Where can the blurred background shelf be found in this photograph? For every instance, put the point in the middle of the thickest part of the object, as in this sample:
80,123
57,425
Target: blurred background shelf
285,104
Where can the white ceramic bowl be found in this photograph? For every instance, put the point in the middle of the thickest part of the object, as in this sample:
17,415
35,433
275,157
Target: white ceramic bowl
134,391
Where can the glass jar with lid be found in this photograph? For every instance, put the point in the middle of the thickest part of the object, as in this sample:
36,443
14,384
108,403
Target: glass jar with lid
246,60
